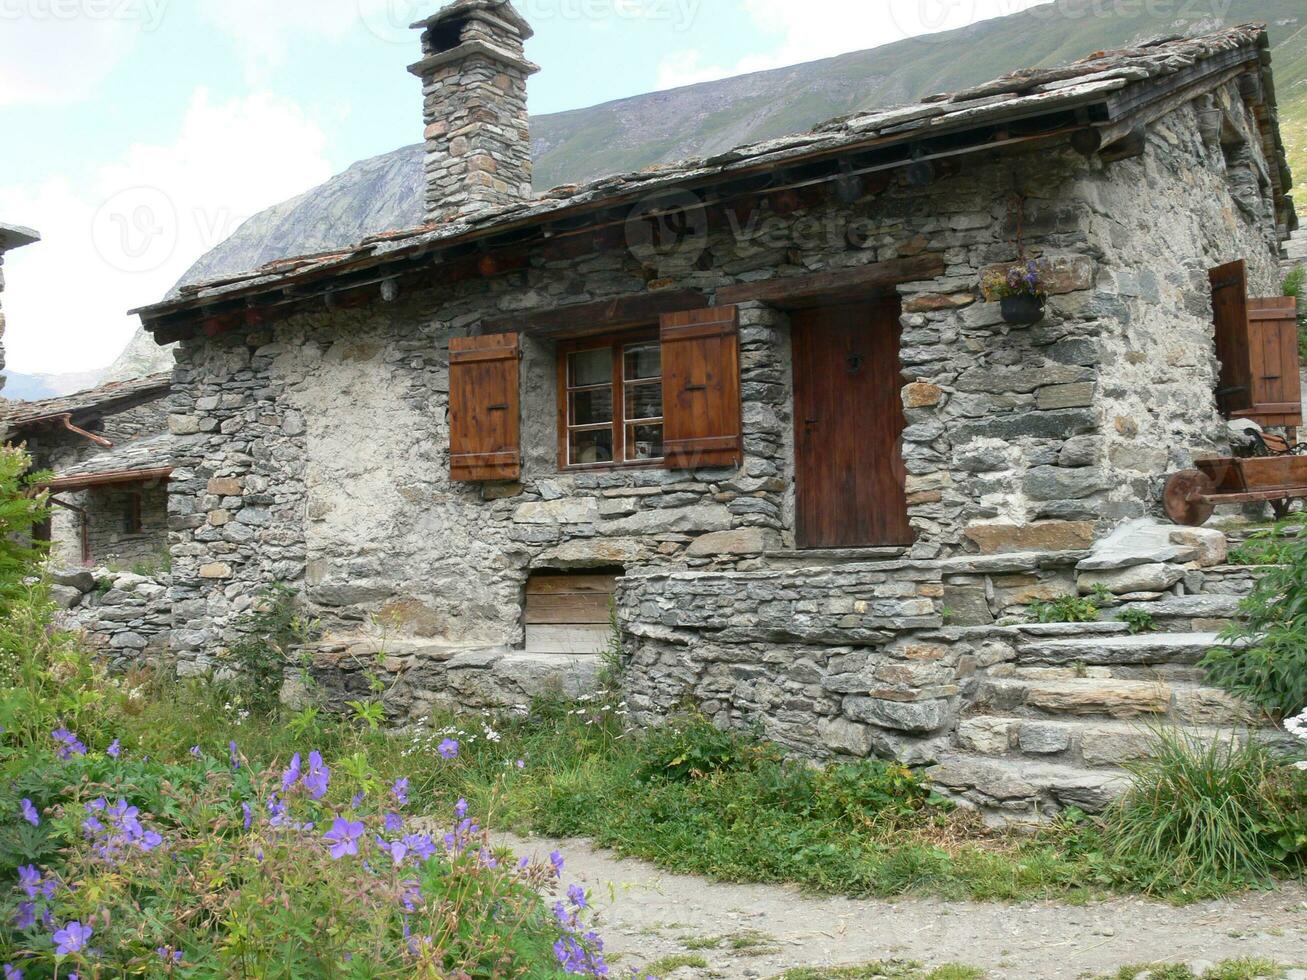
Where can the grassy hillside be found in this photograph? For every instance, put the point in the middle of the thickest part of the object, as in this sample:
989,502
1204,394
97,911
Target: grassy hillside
704,119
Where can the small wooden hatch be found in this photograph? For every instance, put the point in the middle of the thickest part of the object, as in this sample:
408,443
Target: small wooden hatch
569,613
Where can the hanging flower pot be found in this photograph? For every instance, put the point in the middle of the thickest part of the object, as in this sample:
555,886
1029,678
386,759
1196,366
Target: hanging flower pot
1024,309
1020,291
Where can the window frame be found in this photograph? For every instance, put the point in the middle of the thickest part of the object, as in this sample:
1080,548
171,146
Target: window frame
132,520
617,343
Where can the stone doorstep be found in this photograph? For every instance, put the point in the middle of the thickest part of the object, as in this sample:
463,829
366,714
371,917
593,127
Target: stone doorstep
1092,744
1116,699
1020,788
1146,648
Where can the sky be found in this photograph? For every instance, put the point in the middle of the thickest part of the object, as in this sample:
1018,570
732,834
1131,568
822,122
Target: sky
138,134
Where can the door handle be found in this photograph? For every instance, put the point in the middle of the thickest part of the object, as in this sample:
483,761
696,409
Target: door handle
696,388
497,408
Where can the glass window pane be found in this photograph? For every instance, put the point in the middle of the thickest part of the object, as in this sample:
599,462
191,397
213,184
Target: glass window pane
644,401
644,361
588,448
644,442
591,367
592,407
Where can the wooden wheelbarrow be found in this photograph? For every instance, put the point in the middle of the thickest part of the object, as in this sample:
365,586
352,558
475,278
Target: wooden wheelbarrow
1190,496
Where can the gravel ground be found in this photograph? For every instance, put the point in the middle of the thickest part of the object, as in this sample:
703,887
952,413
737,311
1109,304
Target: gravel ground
645,914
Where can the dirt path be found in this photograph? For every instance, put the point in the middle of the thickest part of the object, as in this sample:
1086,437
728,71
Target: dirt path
646,914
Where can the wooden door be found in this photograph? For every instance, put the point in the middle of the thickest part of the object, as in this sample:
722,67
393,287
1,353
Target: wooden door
1230,309
848,418
1273,357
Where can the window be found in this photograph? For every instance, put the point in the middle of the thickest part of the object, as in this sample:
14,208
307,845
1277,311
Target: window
611,402
132,513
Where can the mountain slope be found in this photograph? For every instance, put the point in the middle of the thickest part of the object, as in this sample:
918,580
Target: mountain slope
385,192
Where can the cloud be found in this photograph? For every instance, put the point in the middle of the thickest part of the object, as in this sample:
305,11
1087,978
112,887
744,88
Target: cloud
51,53
127,233
808,30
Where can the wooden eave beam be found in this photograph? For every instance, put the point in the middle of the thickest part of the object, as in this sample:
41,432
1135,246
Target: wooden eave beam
580,319
840,283
67,483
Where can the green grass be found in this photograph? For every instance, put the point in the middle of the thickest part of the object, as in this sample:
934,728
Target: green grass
887,970
669,964
1244,969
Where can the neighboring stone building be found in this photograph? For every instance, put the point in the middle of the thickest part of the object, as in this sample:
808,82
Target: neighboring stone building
11,237
759,406
109,452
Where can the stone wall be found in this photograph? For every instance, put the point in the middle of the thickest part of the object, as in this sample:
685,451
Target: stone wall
315,453
127,616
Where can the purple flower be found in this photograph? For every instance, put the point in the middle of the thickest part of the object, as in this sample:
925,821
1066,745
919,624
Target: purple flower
30,814
421,845
400,791
69,744
576,895
460,809
292,774
12,972
249,815
356,800
170,956
114,750
343,837
394,823
71,938
233,755
521,763
318,778
556,859
448,749
397,850
29,880
26,917
195,751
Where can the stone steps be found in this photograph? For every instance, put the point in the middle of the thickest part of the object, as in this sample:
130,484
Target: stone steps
1117,649
1090,744
1011,790
1122,700
1166,673
1187,613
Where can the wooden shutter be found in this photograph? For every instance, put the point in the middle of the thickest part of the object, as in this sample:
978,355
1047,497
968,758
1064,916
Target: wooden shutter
701,388
1273,358
1230,308
485,408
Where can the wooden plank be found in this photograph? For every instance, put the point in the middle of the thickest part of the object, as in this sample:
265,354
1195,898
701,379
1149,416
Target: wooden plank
1230,313
600,317
702,416
571,584
576,608
485,408
839,284
848,418
568,639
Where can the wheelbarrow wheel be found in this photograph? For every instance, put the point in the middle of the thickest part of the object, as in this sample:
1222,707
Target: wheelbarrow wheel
1280,508
1187,498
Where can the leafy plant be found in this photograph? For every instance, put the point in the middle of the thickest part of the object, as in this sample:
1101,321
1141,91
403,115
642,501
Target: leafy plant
1204,816
271,635
21,509
1264,659
1067,609
1019,280
1139,621
696,749
1268,546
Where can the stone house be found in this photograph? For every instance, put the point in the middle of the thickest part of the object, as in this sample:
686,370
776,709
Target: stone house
758,409
11,237
107,449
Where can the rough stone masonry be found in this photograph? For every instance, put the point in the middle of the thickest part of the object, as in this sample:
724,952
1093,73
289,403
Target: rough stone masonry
313,451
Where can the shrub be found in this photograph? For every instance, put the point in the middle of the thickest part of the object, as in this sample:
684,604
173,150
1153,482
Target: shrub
21,509
1202,817
1268,546
695,749
1295,285
210,869
271,635
1265,659
1067,609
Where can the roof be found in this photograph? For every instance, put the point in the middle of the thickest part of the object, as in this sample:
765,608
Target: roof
93,401
16,236
1101,97
135,462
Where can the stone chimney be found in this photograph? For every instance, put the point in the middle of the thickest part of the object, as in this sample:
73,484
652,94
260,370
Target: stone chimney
474,76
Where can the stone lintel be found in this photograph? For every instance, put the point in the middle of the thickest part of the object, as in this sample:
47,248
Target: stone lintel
469,49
